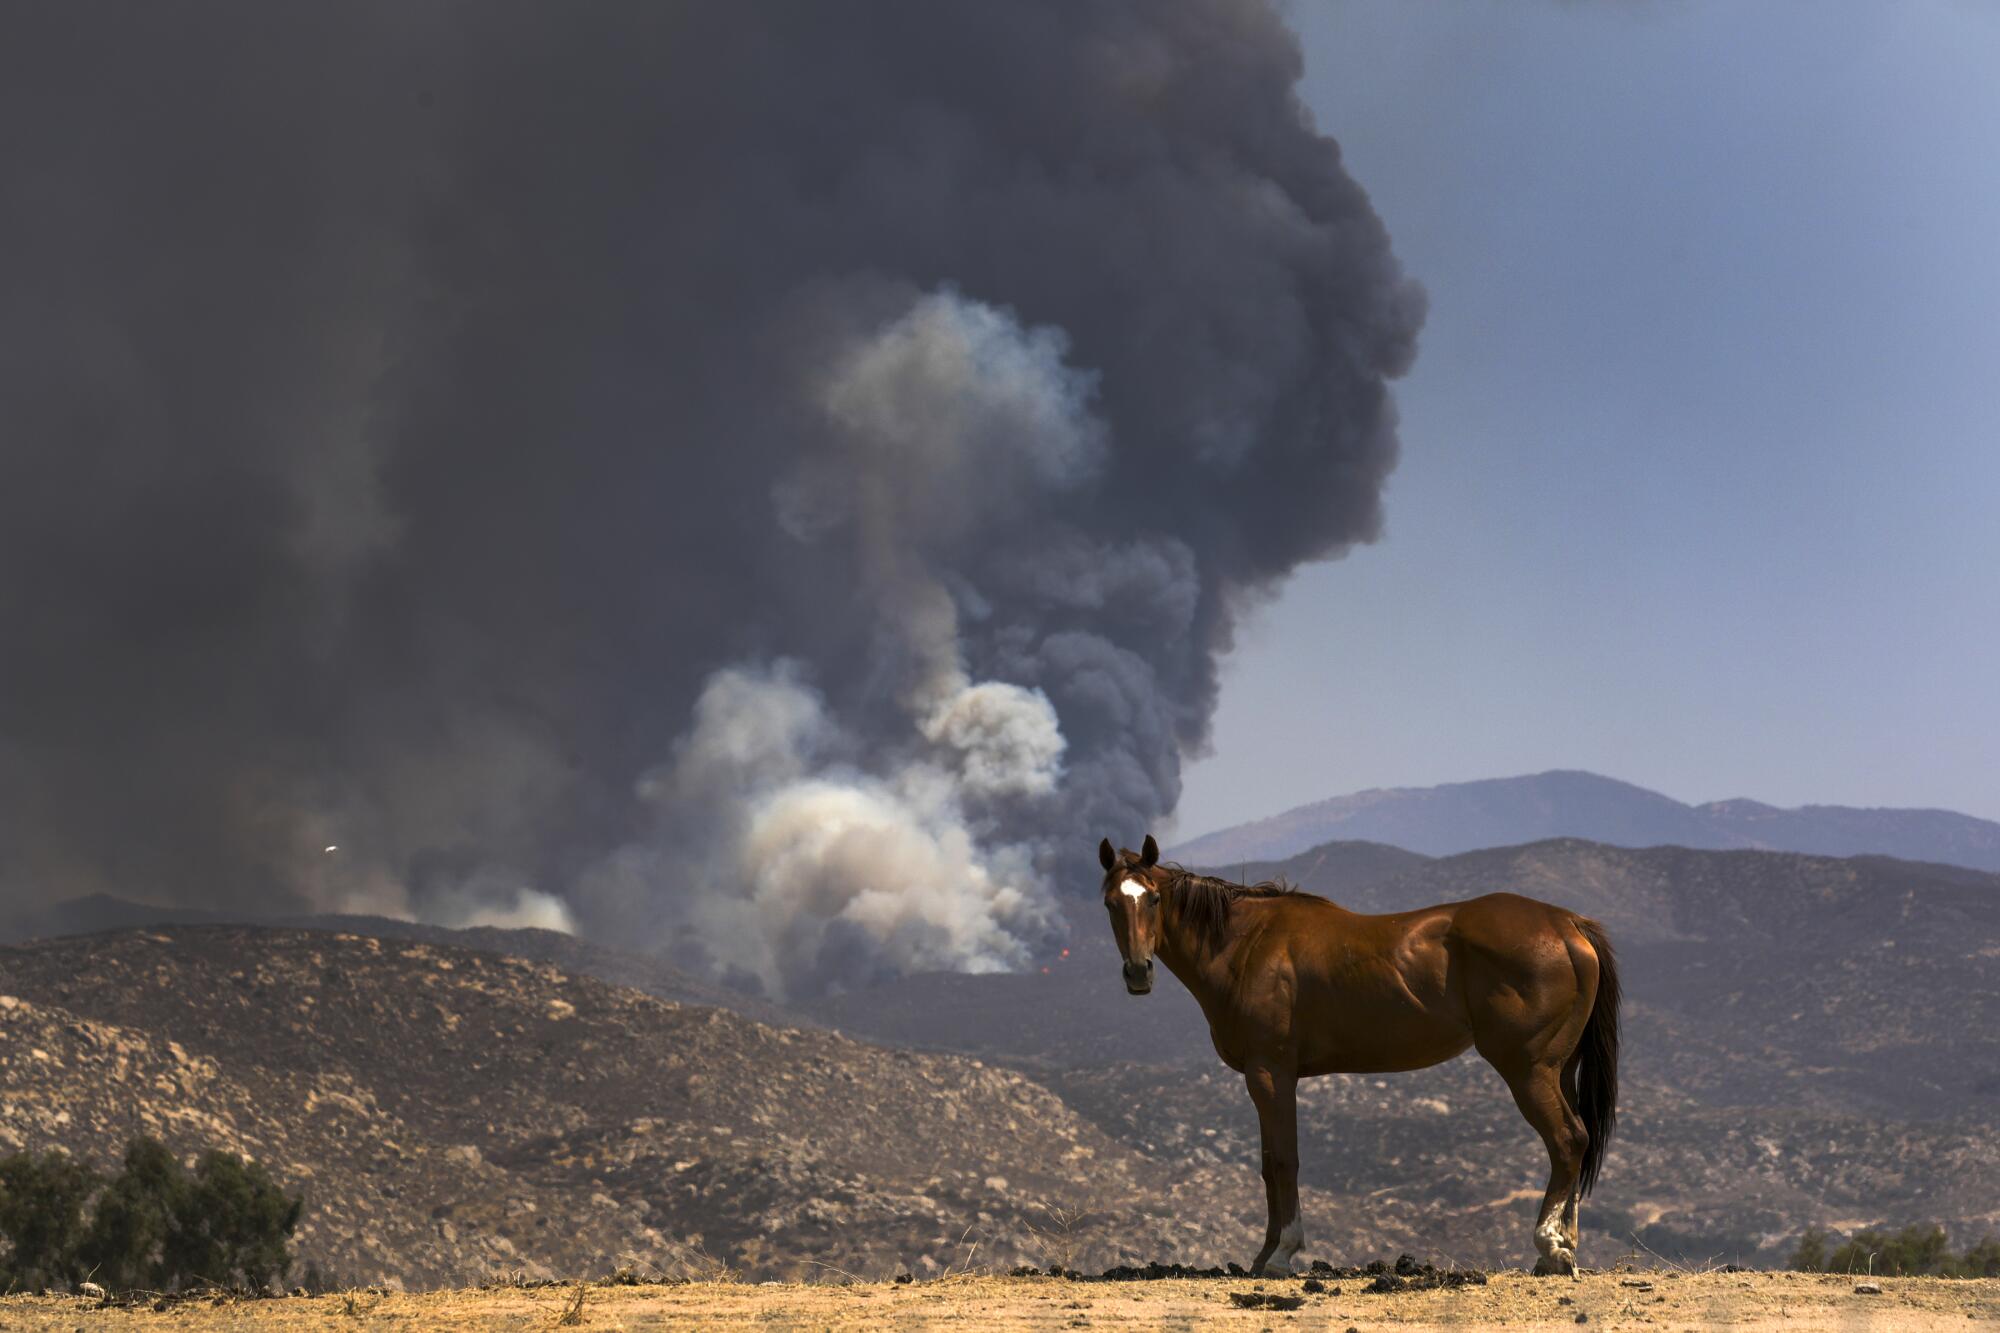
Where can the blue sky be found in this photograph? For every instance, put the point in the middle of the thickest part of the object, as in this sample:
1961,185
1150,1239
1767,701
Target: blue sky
1701,473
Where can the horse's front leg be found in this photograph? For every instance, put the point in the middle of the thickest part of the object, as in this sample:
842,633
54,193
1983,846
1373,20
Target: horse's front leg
1275,1093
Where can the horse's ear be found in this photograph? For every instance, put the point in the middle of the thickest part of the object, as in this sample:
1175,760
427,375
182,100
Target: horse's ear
1150,853
1106,854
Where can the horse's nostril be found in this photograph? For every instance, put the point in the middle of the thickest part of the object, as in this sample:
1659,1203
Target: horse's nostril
1139,976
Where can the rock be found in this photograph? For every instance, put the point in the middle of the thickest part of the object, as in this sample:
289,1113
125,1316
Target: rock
1868,1289
90,1289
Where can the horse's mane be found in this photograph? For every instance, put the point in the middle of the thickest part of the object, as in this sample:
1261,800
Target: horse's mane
1202,901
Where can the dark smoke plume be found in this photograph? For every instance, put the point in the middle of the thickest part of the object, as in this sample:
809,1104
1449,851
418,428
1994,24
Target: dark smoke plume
766,481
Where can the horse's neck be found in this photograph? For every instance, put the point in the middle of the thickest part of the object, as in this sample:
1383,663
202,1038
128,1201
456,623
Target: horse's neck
1196,960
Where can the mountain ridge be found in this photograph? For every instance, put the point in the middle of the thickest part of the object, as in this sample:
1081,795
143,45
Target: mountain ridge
1457,817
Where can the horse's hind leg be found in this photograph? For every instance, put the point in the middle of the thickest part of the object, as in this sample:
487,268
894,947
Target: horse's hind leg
1538,1092
1571,1222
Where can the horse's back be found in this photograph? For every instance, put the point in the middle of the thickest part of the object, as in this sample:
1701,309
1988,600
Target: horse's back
1510,915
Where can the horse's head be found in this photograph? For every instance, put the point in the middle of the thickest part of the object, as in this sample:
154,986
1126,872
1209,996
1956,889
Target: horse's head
1132,896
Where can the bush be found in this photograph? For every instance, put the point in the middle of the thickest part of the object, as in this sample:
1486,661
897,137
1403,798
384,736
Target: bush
232,1226
1983,1259
1915,1251
134,1214
155,1225
41,1220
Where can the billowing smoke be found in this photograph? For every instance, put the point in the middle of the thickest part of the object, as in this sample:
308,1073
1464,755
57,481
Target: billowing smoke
766,482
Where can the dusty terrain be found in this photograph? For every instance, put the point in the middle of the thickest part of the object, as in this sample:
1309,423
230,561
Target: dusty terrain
1663,1301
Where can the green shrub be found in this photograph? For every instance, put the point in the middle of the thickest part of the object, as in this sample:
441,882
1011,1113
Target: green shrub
41,1220
154,1226
1810,1256
1983,1259
232,1226
1915,1251
133,1218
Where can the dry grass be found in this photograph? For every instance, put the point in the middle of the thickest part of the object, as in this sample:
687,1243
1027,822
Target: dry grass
1655,1300
1060,1237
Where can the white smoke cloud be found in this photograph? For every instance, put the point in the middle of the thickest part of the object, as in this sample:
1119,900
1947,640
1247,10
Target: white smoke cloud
813,873
531,910
348,880
1007,738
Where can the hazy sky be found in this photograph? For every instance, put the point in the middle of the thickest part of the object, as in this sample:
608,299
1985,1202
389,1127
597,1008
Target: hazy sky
1700,485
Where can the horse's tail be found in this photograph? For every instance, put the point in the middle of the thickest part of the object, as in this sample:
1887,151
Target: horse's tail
1597,1076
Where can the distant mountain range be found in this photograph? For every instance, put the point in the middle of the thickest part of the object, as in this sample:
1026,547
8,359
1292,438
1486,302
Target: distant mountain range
1563,803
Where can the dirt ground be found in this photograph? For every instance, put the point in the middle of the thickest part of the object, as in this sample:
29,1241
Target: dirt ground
1793,1302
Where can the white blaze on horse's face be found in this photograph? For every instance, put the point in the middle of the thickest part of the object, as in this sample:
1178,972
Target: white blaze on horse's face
1134,920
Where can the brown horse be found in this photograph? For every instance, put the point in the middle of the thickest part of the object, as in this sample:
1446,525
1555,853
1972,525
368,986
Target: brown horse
1294,986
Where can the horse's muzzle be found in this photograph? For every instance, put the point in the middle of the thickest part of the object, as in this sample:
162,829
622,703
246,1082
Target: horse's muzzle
1139,977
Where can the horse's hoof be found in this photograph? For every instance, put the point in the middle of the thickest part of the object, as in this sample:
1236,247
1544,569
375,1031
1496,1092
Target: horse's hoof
1282,1264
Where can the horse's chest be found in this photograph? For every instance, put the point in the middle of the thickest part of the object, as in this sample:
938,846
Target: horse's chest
1230,1051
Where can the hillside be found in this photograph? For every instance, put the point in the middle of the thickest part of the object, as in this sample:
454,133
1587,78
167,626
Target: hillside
1465,816
99,913
452,1116
1809,1040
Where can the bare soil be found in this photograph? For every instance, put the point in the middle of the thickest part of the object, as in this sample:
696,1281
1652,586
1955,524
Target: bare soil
1793,1302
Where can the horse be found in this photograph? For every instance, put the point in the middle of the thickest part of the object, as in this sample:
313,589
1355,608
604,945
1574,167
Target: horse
1294,986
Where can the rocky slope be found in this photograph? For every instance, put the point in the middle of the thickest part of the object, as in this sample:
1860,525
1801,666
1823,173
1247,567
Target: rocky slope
453,1116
